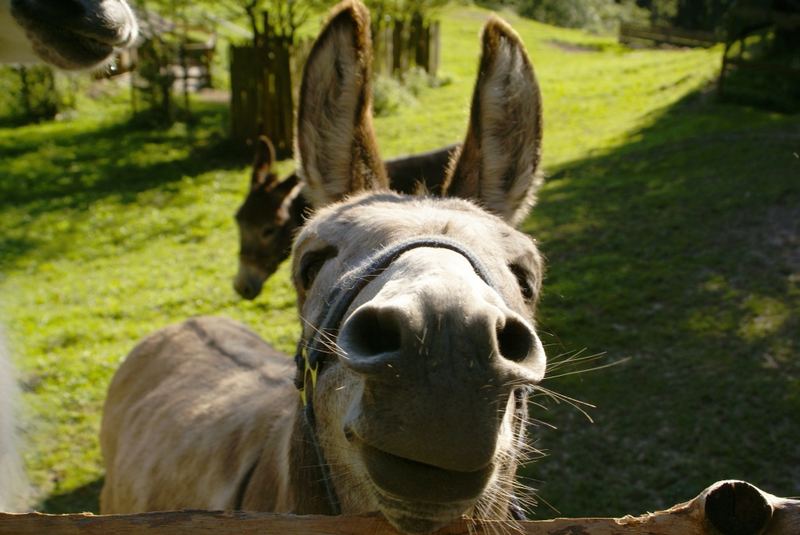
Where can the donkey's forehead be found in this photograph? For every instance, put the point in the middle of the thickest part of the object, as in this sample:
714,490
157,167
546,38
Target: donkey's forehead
375,219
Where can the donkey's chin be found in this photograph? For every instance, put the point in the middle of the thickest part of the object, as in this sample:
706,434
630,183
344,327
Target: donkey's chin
419,517
418,498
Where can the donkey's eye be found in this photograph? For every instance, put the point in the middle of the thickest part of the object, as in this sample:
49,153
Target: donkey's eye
523,280
267,231
311,264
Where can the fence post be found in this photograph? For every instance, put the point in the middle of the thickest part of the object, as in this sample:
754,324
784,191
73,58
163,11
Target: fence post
424,51
433,48
282,91
721,83
388,52
397,47
414,37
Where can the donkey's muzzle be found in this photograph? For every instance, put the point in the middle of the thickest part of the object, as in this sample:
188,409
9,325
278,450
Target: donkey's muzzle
439,353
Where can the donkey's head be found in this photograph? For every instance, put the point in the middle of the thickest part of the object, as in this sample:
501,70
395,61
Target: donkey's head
70,34
267,220
419,311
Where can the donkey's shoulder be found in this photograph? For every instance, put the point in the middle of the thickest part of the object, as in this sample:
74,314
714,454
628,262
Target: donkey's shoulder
206,345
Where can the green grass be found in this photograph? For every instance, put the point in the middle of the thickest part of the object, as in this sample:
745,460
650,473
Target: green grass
670,224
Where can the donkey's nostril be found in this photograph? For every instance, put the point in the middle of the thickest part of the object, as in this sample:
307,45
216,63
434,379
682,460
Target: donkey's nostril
372,331
515,340
248,289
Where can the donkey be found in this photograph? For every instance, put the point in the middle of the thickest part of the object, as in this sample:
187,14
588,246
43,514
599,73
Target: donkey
418,348
68,34
273,209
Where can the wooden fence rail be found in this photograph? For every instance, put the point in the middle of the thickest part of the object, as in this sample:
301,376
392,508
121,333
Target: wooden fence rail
661,34
726,508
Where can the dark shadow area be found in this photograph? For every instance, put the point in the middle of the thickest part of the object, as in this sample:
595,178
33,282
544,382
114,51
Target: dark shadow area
114,159
71,170
12,247
14,121
778,92
680,252
82,499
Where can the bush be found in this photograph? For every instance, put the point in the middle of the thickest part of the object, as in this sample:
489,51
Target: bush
389,94
9,91
28,94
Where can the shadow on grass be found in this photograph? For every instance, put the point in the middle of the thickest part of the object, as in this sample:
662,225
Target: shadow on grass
72,166
85,499
73,169
680,251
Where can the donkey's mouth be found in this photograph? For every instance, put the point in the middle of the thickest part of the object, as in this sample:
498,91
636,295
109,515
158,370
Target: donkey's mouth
408,480
414,517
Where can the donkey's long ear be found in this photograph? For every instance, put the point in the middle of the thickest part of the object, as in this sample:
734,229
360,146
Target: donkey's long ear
500,155
335,139
263,160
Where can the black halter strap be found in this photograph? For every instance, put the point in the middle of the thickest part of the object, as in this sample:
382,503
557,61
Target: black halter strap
311,353
344,292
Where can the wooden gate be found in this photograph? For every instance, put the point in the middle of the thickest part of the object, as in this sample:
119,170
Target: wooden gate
261,93
263,87
399,45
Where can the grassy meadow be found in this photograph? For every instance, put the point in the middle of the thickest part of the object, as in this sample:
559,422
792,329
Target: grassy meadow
671,225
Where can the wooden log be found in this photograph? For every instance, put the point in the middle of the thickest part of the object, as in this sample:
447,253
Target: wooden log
725,508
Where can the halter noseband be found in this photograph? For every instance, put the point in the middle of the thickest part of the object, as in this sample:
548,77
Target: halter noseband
311,353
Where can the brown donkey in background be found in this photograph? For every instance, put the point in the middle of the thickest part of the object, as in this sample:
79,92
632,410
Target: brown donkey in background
274,210
418,348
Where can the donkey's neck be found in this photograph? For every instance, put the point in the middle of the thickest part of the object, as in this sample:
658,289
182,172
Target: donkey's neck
307,471
287,477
